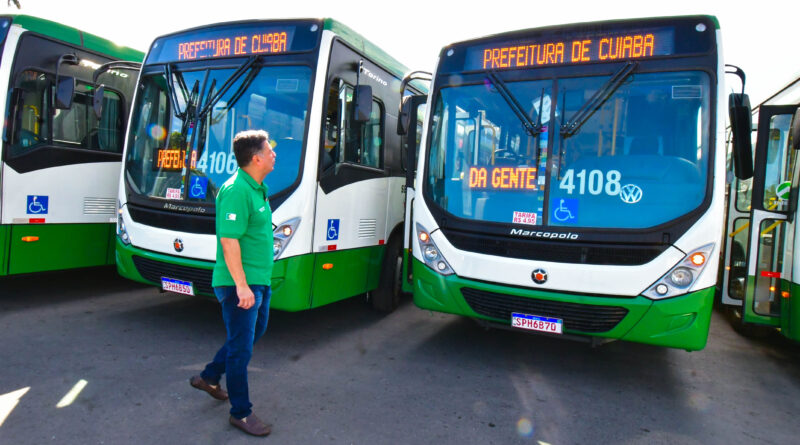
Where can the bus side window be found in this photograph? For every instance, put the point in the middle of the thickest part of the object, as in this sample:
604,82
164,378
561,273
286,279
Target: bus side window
79,127
371,140
349,141
31,122
332,129
76,127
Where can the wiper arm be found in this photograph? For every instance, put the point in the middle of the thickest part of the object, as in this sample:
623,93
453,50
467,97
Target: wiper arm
243,87
171,87
571,126
533,129
212,100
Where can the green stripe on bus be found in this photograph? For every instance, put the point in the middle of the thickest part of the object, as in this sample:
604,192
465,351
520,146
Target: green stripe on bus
679,322
76,37
56,246
298,283
368,48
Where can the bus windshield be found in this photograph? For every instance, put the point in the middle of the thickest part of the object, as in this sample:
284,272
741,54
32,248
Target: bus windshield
182,128
637,159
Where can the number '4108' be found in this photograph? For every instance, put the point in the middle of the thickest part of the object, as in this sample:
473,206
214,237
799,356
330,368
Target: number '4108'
592,180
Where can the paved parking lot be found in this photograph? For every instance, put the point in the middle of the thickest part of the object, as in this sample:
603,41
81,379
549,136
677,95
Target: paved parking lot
343,374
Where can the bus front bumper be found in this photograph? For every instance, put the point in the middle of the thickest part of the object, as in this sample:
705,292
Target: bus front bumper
144,266
679,322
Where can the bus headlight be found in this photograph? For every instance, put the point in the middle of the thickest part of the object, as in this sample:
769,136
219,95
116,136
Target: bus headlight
430,253
681,277
122,232
282,235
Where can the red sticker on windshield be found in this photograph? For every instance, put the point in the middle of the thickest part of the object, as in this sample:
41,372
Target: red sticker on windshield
528,218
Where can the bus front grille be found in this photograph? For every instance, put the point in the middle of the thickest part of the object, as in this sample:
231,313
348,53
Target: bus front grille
555,251
577,317
152,270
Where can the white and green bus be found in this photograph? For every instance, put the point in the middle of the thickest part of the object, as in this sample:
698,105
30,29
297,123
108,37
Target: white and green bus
571,180
761,281
328,98
62,144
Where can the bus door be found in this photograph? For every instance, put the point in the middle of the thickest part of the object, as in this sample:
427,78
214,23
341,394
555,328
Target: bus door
351,206
413,110
771,236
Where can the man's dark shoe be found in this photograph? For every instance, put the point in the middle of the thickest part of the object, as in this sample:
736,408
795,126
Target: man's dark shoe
216,391
251,425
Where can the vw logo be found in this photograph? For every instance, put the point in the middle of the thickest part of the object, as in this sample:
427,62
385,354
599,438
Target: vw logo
178,245
630,194
539,276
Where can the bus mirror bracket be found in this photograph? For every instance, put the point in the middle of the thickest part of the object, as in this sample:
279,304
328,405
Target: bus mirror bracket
65,85
404,116
97,101
741,127
363,103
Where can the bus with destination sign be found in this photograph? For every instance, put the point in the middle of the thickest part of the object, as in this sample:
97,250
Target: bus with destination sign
571,180
66,95
760,286
327,96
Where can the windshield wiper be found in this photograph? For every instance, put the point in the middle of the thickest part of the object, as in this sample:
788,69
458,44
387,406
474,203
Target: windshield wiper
571,126
533,129
212,100
184,91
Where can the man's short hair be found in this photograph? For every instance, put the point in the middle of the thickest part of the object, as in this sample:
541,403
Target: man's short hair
247,143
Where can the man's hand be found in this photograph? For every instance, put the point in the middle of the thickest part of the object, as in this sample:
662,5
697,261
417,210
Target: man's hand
246,297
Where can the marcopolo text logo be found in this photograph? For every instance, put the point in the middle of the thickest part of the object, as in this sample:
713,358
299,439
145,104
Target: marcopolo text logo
547,235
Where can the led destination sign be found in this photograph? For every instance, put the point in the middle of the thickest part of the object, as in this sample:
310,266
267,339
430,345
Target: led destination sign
503,178
260,43
235,40
173,159
586,48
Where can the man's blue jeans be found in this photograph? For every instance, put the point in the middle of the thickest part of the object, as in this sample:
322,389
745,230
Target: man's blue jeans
244,328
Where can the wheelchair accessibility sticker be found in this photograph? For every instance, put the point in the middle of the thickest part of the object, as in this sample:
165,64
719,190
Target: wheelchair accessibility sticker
333,230
565,210
199,187
37,205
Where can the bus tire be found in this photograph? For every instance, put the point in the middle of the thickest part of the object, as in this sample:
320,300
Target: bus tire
734,316
386,297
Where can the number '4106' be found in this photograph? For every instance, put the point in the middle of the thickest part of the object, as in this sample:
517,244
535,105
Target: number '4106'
218,163
592,180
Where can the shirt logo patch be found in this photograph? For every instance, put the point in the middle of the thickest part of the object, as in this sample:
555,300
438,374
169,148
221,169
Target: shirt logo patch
262,209
230,216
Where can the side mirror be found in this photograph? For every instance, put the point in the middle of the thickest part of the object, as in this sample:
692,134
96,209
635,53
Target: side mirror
97,101
741,120
363,103
65,85
65,91
794,133
404,118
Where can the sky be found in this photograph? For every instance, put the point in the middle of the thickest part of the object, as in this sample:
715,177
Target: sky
755,38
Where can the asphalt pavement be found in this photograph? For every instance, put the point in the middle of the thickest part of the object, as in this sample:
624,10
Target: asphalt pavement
90,358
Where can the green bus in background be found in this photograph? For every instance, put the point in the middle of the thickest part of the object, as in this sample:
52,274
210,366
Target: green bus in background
61,144
761,281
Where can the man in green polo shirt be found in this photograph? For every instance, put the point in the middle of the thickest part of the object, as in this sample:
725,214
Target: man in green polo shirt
242,274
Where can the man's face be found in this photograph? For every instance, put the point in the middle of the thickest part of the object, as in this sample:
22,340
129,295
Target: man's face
266,158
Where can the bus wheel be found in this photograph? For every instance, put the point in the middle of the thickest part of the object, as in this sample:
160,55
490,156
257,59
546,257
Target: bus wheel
734,316
386,297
